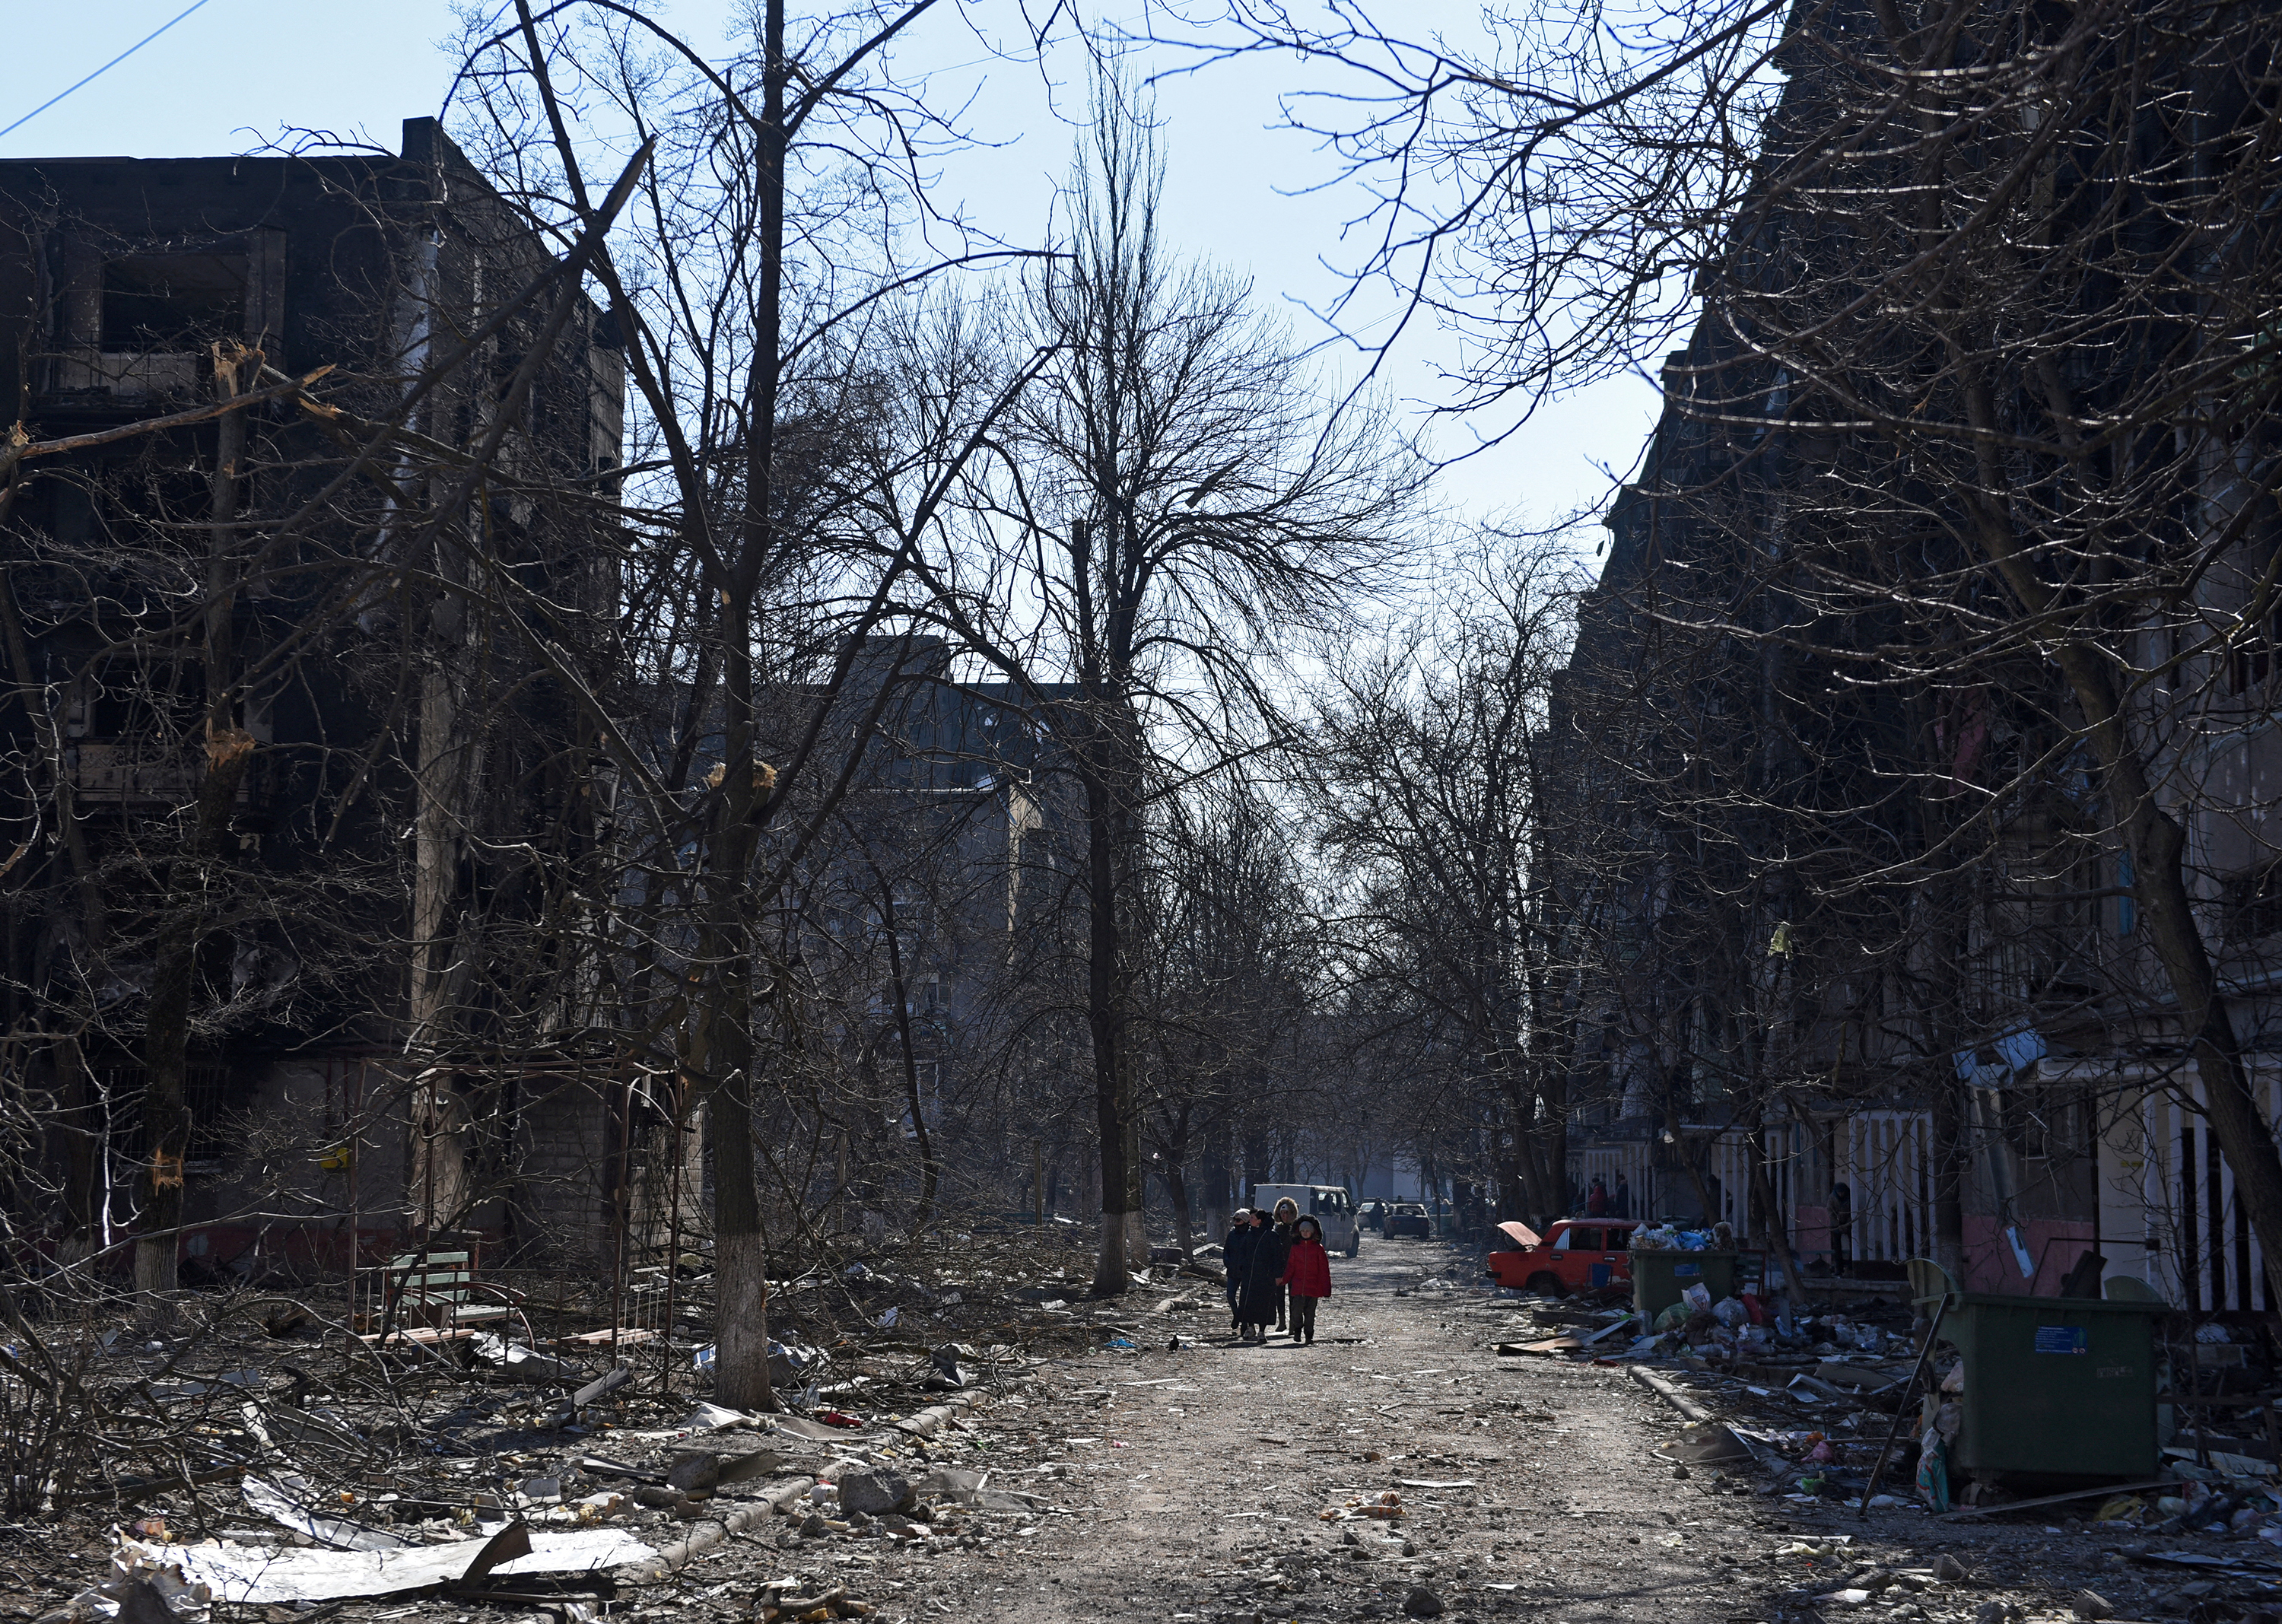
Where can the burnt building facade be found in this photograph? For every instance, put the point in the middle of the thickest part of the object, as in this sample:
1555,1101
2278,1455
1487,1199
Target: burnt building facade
304,560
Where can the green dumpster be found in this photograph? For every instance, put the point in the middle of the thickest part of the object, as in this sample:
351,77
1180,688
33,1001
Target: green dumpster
1659,1278
2054,1387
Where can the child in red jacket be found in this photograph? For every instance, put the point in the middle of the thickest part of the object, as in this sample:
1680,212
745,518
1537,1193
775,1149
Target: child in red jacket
1308,1274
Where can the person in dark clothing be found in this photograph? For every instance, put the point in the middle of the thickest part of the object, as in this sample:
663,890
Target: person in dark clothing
1286,1215
1308,1275
1263,1277
1236,1258
1620,1204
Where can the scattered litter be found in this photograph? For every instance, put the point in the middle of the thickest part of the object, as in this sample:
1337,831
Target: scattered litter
518,1362
147,1586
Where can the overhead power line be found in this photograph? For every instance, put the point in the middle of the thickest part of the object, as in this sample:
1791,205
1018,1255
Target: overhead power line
100,72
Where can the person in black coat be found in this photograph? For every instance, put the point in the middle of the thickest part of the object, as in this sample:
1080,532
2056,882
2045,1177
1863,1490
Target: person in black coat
1236,1258
1263,1278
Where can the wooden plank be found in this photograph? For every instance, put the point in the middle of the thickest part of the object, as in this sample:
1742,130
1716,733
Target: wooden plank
1554,1345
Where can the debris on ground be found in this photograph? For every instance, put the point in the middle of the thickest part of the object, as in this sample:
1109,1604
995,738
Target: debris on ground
274,1450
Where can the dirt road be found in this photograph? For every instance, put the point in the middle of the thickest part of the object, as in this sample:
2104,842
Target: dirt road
1189,1485
1193,1482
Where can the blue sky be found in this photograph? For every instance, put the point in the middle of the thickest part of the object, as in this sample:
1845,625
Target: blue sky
239,73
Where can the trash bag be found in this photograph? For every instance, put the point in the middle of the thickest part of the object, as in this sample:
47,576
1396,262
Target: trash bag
2122,1508
1731,1313
1933,1471
1673,1319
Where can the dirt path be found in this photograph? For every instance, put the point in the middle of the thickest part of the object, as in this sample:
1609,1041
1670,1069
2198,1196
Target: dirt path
1194,1480
1189,1486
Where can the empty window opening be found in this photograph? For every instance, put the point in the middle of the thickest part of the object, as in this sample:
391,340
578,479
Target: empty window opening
176,301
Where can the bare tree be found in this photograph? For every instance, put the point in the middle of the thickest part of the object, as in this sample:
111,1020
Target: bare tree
1429,748
1175,499
1231,986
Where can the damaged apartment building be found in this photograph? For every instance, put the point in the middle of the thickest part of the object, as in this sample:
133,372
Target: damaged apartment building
1978,1060
289,789
1850,948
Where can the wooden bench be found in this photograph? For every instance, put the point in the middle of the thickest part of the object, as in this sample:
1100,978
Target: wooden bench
435,1297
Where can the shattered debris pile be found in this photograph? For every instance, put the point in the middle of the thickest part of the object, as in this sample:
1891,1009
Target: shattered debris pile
266,1451
1808,1407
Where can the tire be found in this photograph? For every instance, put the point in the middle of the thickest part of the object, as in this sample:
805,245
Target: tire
1545,1282
1355,1246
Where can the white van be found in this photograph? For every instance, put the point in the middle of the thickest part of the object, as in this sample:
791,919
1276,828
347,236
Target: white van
1330,1205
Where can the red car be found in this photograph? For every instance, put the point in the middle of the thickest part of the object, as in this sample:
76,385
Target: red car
1575,1254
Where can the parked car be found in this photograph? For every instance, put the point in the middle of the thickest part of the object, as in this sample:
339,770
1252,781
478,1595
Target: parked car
1329,1205
1408,1218
1373,1215
1574,1255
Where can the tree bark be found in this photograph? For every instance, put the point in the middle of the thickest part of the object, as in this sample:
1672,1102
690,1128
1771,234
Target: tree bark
917,1106
1116,1121
2158,845
192,880
1183,1227
741,1375
1952,1169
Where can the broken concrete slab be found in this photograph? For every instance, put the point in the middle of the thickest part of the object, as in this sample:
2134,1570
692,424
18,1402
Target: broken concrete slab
1704,1443
721,1460
875,1491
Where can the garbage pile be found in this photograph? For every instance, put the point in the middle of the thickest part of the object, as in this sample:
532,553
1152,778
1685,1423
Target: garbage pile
1670,1238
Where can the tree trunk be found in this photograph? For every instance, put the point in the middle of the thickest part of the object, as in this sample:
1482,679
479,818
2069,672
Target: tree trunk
1777,1225
1218,1177
914,1103
2158,846
80,1123
439,1170
741,1370
1184,1227
1952,1168
1113,1115
229,749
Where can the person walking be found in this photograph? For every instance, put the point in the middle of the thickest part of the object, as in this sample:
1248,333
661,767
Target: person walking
1287,1215
1235,1259
1264,1268
1596,1200
1307,1274
1620,1203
